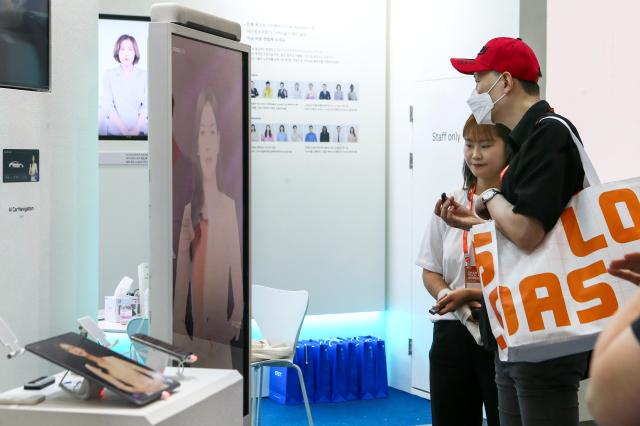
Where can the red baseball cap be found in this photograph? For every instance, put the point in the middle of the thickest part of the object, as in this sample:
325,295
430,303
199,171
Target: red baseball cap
503,54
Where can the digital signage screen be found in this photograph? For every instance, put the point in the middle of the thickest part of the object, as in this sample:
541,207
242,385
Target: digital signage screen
209,95
122,89
24,44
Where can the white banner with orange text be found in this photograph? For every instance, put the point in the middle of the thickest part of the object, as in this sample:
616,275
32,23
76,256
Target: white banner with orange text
555,300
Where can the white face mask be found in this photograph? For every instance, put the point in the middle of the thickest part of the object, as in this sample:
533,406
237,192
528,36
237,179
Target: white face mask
481,104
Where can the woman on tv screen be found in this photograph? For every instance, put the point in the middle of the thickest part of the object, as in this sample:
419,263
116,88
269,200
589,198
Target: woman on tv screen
209,258
125,91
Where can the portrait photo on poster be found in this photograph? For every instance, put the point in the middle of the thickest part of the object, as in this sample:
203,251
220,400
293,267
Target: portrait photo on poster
208,97
20,165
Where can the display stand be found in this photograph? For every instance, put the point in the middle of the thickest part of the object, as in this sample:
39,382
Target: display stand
80,387
206,396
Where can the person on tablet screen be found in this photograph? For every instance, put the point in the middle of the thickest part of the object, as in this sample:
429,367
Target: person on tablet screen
123,374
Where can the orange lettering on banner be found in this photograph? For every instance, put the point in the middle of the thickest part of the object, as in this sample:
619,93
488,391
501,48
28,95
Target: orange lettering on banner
608,202
482,239
509,310
578,245
493,298
534,306
484,260
603,291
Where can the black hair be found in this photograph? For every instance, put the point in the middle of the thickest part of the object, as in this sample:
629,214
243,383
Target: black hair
476,131
530,88
134,43
197,201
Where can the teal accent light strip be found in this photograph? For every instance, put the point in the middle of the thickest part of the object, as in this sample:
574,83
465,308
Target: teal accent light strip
338,325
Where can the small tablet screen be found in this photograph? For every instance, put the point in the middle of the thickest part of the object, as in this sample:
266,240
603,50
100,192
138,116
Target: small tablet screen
136,382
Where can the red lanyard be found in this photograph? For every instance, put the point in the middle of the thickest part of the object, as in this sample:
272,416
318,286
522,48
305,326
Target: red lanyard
465,233
503,172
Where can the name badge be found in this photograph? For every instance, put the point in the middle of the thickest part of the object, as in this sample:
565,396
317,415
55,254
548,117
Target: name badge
471,277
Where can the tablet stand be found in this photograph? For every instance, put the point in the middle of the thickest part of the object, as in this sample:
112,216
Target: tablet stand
88,327
157,360
82,388
181,365
9,339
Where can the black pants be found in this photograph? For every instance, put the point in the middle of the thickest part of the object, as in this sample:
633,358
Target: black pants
462,378
541,393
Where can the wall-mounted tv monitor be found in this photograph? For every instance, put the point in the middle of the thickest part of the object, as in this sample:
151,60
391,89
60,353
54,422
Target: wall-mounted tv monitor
24,44
199,201
122,65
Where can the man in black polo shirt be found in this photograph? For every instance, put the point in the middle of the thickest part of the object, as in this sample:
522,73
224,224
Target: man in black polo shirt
542,177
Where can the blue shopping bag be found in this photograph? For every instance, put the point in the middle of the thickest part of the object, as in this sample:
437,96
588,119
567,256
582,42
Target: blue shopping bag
284,386
305,359
353,376
338,363
382,384
323,372
365,349
344,369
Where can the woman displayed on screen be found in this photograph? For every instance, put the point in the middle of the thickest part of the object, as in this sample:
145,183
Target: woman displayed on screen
324,134
209,259
282,134
352,95
33,169
254,137
124,375
352,137
125,91
311,94
267,136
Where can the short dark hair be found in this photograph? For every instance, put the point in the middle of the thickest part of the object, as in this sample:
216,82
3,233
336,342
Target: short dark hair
119,42
530,88
476,131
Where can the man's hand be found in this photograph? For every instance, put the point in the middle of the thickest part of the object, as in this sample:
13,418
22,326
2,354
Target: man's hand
627,268
455,214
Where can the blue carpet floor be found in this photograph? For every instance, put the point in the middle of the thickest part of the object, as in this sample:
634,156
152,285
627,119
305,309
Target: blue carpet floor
400,408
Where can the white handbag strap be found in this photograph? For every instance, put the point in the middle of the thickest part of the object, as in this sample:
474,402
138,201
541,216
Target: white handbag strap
590,176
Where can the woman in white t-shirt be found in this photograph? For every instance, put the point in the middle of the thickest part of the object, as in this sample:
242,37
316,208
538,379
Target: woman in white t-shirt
461,372
125,91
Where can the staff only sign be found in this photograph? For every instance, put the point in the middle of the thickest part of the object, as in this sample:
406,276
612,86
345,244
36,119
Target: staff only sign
555,300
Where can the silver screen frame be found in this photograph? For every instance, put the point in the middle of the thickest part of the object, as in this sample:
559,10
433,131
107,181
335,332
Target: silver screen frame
160,180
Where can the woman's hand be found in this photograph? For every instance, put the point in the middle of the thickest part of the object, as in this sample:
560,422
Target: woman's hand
456,215
455,299
627,268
